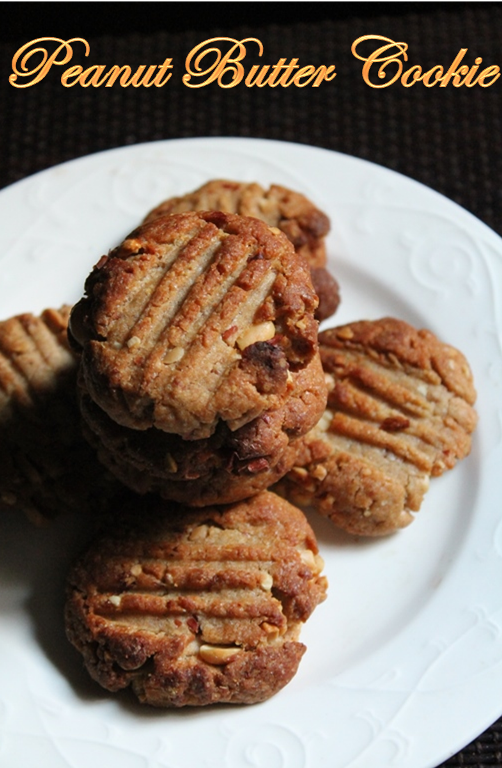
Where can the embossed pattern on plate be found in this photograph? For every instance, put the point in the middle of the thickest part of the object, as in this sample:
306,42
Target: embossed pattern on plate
404,660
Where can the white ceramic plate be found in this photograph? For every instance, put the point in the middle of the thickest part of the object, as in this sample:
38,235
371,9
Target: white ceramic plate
404,660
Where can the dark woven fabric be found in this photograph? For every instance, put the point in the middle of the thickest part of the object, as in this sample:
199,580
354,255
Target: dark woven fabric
447,138
450,139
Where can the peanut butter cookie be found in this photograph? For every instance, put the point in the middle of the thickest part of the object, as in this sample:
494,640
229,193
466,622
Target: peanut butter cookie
196,319
191,608
400,410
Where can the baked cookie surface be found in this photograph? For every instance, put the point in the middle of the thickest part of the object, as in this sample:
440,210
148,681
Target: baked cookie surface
196,318
400,410
46,466
191,608
304,224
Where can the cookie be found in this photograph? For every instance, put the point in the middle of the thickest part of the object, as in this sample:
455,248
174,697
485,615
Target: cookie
196,319
400,411
191,608
293,213
46,466
224,468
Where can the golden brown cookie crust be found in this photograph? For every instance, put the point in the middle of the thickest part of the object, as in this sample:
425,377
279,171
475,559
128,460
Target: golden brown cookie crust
191,608
196,318
400,410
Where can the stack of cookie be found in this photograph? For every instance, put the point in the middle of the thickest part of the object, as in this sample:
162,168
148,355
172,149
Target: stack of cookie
199,372
199,357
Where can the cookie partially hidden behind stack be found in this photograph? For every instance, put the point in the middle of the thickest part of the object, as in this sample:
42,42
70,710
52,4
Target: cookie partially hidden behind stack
199,326
400,410
46,466
196,607
304,224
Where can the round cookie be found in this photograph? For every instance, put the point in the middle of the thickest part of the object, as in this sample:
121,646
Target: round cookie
400,411
196,319
191,608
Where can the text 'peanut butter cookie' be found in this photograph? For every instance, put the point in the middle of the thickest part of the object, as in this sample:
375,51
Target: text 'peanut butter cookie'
191,608
305,225
194,319
46,466
400,410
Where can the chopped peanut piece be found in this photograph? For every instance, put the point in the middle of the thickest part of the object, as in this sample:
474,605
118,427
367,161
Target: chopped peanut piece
266,581
214,654
260,332
174,355
134,341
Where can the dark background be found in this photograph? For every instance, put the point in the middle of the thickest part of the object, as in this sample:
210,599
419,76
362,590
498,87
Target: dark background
27,19
448,138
